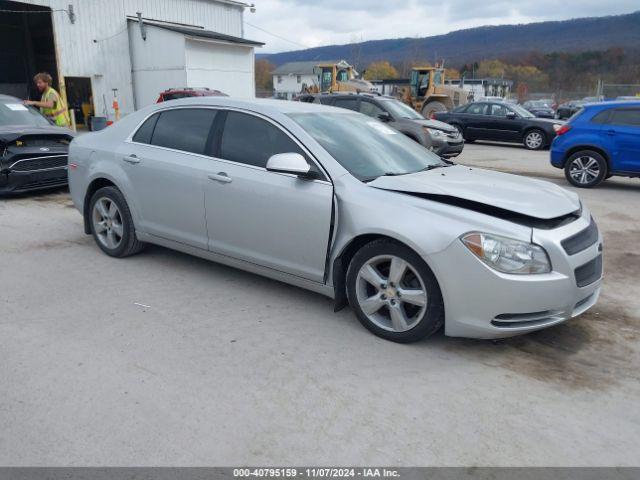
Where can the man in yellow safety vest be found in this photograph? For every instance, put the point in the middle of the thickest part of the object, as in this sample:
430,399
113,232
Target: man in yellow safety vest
51,104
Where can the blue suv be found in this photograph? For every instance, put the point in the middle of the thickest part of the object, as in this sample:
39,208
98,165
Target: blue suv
601,140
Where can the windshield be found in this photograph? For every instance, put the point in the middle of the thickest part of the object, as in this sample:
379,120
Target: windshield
367,148
401,110
521,111
15,113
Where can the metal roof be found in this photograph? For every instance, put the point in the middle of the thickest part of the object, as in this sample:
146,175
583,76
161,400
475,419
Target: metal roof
198,32
299,68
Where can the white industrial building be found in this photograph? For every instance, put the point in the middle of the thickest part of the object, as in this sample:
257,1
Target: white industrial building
133,49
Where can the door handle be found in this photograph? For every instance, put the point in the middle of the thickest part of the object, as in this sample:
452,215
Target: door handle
221,177
133,159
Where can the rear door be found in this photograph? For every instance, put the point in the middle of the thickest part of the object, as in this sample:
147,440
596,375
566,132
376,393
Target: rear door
624,133
166,162
271,219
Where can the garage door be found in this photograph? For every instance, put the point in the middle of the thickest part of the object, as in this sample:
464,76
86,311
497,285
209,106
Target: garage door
221,66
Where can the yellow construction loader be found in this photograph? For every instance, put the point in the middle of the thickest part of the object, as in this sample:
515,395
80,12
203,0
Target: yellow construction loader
428,94
337,77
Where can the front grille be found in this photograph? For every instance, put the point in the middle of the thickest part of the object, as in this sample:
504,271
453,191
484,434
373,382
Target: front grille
581,240
39,163
589,272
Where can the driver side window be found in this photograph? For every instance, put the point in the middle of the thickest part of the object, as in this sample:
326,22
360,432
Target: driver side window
477,109
370,109
498,110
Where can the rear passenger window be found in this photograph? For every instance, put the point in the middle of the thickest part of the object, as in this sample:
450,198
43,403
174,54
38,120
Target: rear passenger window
184,129
143,135
601,117
370,109
350,103
626,116
252,141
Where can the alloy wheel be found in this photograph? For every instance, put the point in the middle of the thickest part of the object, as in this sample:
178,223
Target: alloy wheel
107,223
534,140
391,293
584,170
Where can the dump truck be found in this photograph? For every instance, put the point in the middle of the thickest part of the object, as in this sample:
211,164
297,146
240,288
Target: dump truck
337,77
428,94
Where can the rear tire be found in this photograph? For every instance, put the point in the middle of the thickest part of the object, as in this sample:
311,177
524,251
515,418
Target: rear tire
394,293
534,139
586,169
112,225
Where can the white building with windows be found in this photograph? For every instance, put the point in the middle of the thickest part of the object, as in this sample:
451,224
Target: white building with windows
291,78
129,49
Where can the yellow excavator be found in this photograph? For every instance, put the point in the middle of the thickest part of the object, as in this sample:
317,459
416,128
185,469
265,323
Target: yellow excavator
428,94
337,77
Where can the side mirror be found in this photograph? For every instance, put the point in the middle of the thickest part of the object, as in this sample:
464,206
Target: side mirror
293,163
511,115
385,117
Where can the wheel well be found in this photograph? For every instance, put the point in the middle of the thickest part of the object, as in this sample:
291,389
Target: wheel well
341,264
573,150
93,187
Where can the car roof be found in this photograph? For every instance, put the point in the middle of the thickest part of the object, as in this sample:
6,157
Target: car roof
260,105
613,103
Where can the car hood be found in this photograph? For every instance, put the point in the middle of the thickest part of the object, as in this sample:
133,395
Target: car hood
13,132
525,196
436,124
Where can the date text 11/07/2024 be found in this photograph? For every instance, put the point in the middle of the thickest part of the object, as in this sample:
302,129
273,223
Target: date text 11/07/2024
315,472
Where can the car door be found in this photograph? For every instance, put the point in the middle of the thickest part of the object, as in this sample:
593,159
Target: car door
623,131
501,127
271,219
166,164
475,121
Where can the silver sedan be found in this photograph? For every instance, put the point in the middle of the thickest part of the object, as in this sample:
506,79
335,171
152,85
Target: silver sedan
339,203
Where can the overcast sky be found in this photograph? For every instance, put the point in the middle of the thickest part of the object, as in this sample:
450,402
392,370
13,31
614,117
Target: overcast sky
312,23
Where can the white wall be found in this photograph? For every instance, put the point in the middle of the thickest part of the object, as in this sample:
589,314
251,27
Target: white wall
289,85
107,61
157,63
220,66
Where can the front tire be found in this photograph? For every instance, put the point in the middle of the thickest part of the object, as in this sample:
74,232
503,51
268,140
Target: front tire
534,139
394,293
586,169
112,225
433,107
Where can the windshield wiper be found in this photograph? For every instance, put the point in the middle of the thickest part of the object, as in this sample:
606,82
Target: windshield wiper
386,174
433,167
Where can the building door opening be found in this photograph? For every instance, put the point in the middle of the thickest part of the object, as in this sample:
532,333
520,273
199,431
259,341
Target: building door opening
27,43
80,99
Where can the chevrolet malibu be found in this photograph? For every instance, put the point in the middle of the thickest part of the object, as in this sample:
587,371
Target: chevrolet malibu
339,203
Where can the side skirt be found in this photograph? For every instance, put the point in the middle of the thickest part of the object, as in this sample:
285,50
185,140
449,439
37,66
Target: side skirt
300,282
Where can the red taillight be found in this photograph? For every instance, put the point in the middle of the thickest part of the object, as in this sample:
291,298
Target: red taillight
563,129
432,116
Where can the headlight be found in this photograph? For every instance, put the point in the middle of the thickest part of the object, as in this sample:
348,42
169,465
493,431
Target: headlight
434,132
508,255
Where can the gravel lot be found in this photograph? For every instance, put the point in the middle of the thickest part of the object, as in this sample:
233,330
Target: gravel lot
165,359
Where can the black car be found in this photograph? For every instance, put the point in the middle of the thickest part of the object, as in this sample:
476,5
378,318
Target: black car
502,122
567,109
437,136
539,108
33,151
